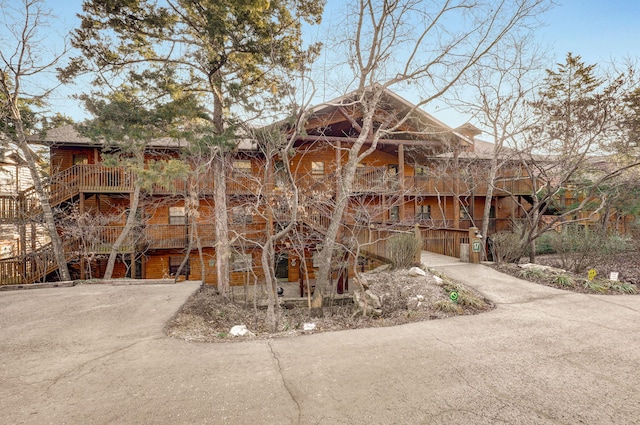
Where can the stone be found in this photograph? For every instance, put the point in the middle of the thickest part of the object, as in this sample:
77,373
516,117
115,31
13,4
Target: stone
416,271
240,330
367,304
413,303
438,280
308,327
380,269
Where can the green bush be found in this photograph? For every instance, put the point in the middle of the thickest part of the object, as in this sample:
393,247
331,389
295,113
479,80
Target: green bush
595,286
533,273
564,280
402,250
625,288
544,244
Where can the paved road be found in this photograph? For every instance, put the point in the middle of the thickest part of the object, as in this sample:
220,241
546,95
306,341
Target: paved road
97,355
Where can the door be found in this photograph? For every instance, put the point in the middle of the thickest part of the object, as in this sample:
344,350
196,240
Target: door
282,265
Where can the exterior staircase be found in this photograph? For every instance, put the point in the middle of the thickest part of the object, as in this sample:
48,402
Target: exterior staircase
25,208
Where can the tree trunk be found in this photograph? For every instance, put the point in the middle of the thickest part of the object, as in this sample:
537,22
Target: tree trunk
486,213
131,221
270,282
223,248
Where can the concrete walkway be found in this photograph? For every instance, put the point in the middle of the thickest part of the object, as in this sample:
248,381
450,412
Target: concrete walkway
97,355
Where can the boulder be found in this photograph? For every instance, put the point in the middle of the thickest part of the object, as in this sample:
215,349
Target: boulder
367,303
416,271
240,330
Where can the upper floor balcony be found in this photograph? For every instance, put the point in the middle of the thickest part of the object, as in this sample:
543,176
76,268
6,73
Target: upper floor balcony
96,178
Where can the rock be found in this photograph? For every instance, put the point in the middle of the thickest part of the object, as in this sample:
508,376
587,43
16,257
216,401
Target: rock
367,304
416,271
240,330
438,280
406,291
308,327
413,303
379,269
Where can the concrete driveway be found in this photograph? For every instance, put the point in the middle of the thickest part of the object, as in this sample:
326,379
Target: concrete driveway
97,355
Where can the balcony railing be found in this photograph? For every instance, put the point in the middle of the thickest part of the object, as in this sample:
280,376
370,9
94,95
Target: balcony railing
9,210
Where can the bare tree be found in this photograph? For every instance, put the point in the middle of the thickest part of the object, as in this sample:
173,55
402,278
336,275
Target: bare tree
23,59
497,93
409,42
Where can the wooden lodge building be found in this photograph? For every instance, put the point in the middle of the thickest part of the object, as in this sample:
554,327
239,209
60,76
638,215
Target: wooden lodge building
427,176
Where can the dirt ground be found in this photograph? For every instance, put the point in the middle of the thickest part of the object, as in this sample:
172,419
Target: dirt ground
626,264
208,317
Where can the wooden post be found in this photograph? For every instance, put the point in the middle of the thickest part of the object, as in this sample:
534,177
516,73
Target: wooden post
133,248
418,234
475,245
401,177
82,259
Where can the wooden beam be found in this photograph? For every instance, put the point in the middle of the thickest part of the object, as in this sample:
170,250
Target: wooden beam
393,142
401,177
352,121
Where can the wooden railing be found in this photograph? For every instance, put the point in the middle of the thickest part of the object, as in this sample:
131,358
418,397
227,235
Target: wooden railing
89,178
440,241
444,241
98,178
428,185
35,265
373,179
170,236
9,208
373,241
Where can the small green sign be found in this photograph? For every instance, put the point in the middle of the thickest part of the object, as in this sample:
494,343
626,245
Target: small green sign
476,246
453,295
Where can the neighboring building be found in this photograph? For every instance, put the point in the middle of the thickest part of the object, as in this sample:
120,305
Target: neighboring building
15,233
429,175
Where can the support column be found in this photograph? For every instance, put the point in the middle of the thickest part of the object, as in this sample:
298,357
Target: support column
401,211
132,254
82,259
475,245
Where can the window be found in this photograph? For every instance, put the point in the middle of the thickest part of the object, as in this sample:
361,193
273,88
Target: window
174,264
394,213
241,215
464,212
177,215
80,159
241,262
421,171
242,167
317,168
423,212
280,174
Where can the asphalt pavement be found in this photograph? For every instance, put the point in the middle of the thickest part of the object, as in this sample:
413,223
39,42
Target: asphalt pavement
97,354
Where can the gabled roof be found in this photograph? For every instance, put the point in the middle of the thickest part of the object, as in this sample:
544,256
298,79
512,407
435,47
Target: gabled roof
328,117
11,157
69,136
